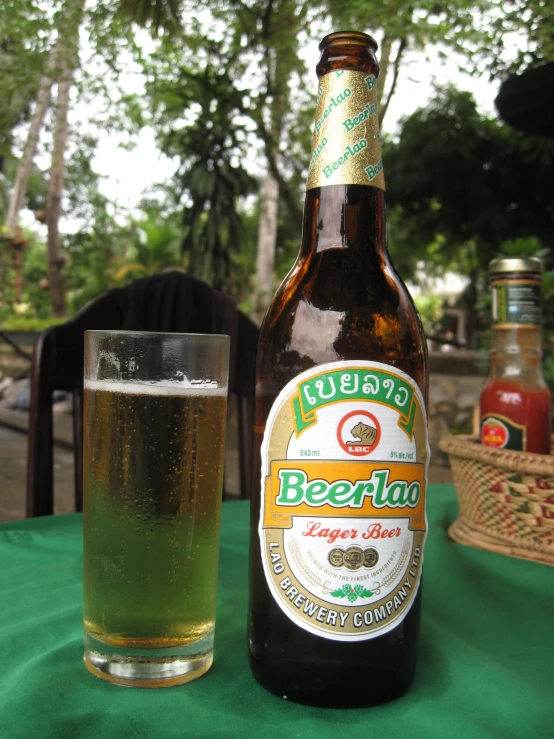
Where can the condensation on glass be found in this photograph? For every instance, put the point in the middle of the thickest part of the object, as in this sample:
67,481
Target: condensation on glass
154,434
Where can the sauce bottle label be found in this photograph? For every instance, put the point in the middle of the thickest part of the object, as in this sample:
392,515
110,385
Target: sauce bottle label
516,301
502,433
346,145
344,476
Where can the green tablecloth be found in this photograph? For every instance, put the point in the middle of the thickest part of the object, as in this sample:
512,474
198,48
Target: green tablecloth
486,667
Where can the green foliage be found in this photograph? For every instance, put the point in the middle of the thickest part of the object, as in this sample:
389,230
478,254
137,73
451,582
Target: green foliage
3,198
210,180
421,22
35,301
159,14
26,323
92,252
288,244
407,247
110,254
24,35
528,247
243,259
431,311
494,37
548,297
155,241
506,21
466,185
208,115
106,252
228,90
34,270
37,188
463,189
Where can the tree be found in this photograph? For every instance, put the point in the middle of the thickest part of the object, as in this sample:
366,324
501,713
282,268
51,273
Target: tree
400,26
210,179
460,185
268,31
243,64
531,20
66,58
24,29
280,26
61,65
470,177
63,61
260,35
111,252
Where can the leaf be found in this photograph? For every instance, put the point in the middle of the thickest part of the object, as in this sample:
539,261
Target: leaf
361,592
338,593
352,594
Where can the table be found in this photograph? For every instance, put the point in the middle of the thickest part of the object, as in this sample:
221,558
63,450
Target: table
486,667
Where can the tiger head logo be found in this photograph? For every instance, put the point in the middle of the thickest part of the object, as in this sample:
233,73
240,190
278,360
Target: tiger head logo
363,433
359,433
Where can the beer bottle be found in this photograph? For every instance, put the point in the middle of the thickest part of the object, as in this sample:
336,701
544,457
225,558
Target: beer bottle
516,407
338,522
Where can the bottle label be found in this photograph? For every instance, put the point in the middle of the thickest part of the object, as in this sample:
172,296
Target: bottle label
502,433
346,145
344,474
516,301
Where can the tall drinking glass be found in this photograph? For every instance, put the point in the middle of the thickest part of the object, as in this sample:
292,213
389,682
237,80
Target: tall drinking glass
154,433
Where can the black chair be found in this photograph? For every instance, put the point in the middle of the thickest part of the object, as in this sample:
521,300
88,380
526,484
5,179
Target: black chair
171,301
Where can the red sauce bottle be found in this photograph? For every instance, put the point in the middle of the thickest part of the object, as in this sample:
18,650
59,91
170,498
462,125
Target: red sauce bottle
516,406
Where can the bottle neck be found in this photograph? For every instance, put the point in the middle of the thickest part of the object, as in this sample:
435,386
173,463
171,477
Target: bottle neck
346,143
516,348
348,217
345,203
516,352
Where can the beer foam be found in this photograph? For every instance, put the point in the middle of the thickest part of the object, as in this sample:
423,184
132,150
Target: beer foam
164,388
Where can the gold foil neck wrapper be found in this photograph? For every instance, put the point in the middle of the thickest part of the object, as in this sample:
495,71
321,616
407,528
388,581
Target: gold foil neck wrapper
346,145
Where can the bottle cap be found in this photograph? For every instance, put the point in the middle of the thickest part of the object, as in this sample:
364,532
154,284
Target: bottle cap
515,264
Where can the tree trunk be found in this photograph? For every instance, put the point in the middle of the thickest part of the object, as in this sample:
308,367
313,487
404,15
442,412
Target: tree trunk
396,71
267,238
468,300
26,163
384,61
68,43
55,190
285,14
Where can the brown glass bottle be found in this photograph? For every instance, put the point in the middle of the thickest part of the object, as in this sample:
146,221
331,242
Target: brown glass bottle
342,300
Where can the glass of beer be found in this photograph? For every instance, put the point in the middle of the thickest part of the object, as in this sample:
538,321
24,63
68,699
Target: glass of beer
154,434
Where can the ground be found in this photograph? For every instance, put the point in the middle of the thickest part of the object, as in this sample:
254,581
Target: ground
13,469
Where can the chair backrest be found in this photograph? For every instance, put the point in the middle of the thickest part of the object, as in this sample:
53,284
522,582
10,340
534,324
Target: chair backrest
171,301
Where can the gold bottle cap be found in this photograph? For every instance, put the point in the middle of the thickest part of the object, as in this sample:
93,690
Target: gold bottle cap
502,265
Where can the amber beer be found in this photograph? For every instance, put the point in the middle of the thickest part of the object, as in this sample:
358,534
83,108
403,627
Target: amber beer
338,520
153,480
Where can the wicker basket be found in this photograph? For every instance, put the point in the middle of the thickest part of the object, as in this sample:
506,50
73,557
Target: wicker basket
506,499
